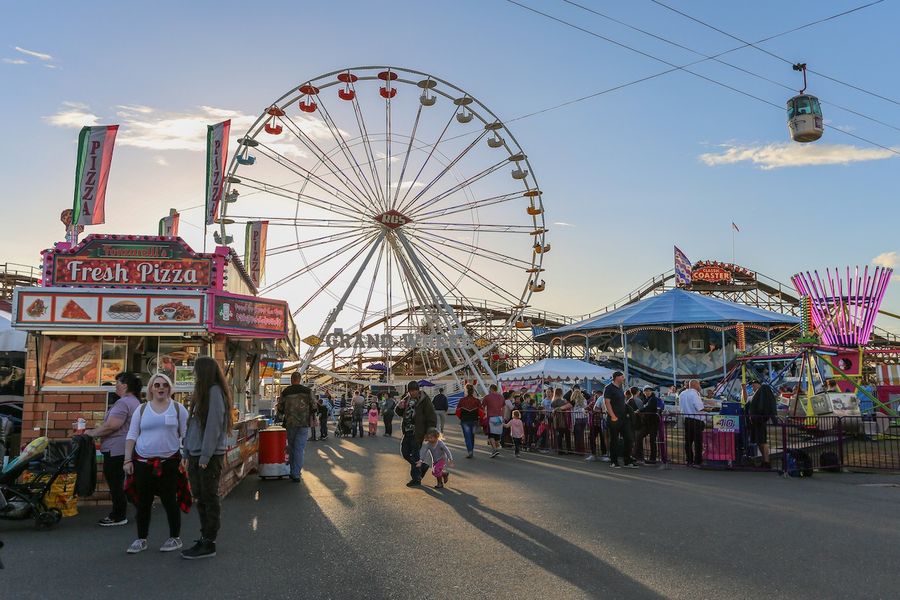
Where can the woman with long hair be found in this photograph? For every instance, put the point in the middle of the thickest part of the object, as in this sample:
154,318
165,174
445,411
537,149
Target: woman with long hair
204,449
152,454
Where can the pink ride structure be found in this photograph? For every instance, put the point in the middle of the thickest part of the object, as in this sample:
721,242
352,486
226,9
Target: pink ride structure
844,309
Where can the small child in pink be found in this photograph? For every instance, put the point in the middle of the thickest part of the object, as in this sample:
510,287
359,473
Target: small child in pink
516,430
373,419
440,456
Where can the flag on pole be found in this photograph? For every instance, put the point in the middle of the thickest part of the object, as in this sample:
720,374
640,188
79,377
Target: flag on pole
216,155
735,227
168,226
95,150
255,250
682,268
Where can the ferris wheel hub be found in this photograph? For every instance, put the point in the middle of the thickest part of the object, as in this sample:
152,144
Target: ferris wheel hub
392,219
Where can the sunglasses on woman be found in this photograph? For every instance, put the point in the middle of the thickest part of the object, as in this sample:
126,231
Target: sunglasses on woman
160,385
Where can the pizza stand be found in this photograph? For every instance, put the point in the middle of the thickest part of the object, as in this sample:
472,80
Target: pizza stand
117,303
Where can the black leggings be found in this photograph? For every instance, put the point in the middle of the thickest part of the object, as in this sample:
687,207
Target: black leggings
563,434
165,486
388,422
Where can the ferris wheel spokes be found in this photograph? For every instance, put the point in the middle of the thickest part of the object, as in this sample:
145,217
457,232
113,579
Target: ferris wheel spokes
459,186
466,206
311,177
412,139
349,156
370,154
319,241
298,197
325,158
333,315
361,239
484,252
452,322
425,188
431,151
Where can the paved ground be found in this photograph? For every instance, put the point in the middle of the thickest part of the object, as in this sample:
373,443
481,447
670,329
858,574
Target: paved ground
536,527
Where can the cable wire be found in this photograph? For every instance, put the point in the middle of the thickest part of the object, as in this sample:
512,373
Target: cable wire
781,58
686,70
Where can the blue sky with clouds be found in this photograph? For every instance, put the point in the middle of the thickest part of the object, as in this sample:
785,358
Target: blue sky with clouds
625,175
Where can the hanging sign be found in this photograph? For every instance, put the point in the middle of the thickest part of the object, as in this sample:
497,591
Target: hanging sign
95,150
216,156
129,261
235,314
255,250
711,274
168,226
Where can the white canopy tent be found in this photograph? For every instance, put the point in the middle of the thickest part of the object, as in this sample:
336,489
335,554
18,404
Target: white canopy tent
561,369
11,340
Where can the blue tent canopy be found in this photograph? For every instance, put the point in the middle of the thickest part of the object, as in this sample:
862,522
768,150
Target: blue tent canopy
674,307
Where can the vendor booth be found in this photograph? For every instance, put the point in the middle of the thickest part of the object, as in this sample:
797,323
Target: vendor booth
144,304
671,337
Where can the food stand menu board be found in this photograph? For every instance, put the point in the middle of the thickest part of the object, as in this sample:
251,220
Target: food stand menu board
231,313
60,308
129,262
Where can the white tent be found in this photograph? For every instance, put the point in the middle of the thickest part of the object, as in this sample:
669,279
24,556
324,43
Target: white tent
11,340
563,369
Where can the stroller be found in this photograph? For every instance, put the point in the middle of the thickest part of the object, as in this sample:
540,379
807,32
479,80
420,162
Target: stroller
345,419
23,500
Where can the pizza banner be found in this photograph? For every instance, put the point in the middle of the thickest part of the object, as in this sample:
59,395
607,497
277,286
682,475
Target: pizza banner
255,250
95,150
216,156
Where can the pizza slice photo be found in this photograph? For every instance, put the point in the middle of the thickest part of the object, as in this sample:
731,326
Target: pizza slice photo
73,310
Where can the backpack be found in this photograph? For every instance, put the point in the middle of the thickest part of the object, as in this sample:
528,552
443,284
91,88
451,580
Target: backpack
797,463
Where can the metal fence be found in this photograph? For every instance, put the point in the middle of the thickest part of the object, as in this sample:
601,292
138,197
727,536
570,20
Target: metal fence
831,443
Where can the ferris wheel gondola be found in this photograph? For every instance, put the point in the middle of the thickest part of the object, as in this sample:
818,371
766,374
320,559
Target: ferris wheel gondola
804,114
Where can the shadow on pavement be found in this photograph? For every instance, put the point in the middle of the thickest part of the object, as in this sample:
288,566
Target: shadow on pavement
573,564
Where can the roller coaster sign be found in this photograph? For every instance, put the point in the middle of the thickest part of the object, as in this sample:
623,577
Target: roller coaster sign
419,341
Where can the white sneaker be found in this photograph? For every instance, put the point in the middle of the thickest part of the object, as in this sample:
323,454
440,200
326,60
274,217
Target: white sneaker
171,544
136,546
604,458
590,458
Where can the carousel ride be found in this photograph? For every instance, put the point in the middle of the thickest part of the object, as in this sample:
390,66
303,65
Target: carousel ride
402,216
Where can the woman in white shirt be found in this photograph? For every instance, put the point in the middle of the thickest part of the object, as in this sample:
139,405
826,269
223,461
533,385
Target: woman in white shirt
153,455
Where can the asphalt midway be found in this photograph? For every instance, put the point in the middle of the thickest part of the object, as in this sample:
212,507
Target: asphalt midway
540,526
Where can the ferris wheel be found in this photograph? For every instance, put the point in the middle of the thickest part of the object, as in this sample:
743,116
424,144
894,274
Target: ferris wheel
392,197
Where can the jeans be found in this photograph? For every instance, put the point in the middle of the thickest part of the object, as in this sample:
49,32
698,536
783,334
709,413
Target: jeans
441,417
356,425
388,422
165,486
409,449
579,436
323,427
468,429
296,438
115,479
650,428
205,490
563,434
693,441
597,431
622,428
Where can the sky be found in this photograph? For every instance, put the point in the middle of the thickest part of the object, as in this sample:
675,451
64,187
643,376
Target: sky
625,175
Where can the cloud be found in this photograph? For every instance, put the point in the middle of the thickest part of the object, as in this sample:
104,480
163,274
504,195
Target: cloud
73,115
161,161
156,129
889,260
50,67
563,224
15,61
789,154
39,55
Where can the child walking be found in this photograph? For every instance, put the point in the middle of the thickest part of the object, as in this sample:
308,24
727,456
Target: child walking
516,430
440,456
373,419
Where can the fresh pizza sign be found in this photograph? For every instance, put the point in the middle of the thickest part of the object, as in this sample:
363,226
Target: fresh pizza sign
130,261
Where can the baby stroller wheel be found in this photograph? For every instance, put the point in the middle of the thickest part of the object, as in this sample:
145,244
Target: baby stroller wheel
46,519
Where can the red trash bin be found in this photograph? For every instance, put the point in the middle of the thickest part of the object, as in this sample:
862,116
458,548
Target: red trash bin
272,445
